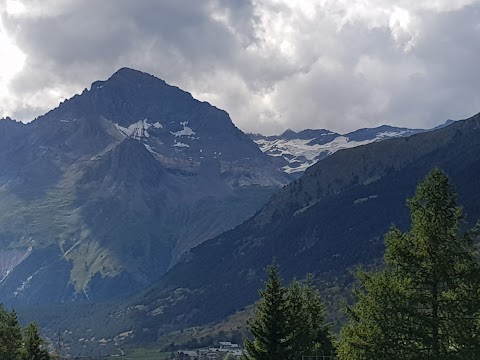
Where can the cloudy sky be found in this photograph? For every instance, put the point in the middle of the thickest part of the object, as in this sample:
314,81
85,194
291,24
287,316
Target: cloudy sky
272,64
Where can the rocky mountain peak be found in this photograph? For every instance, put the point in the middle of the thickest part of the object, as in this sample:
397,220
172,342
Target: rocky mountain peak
130,95
118,182
133,76
179,131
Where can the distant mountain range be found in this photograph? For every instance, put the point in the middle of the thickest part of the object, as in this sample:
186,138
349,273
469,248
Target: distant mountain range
300,150
100,196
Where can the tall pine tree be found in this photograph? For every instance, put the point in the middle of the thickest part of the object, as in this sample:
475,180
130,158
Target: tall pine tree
288,323
33,344
269,324
10,335
298,322
374,330
320,332
307,332
17,346
425,303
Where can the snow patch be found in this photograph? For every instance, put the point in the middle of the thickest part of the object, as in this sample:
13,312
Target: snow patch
138,130
26,282
180,144
300,154
186,131
391,134
150,149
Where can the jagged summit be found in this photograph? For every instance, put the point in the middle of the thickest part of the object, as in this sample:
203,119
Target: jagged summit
8,118
131,95
288,132
132,74
8,122
127,77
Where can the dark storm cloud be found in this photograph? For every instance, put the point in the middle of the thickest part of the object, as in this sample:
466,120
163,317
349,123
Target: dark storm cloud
271,64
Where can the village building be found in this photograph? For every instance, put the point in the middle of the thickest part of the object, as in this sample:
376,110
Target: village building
212,353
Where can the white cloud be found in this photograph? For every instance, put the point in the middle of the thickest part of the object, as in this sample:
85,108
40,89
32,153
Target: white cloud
15,8
272,64
12,61
402,28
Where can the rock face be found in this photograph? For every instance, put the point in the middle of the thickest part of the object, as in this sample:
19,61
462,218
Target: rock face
299,150
100,196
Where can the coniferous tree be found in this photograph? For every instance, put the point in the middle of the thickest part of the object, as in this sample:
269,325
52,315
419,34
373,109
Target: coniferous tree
10,335
288,323
269,324
425,303
320,332
298,322
14,346
308,333
374,330
32,344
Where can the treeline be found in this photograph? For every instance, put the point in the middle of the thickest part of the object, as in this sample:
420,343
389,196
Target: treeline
423,303
17,343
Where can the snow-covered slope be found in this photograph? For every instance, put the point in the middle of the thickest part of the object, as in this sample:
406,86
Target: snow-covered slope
299,150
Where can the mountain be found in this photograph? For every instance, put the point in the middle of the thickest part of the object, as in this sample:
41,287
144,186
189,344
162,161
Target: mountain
101,195
299,150
331,219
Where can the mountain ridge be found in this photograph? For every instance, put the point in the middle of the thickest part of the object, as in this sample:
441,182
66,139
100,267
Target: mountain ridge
300,150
